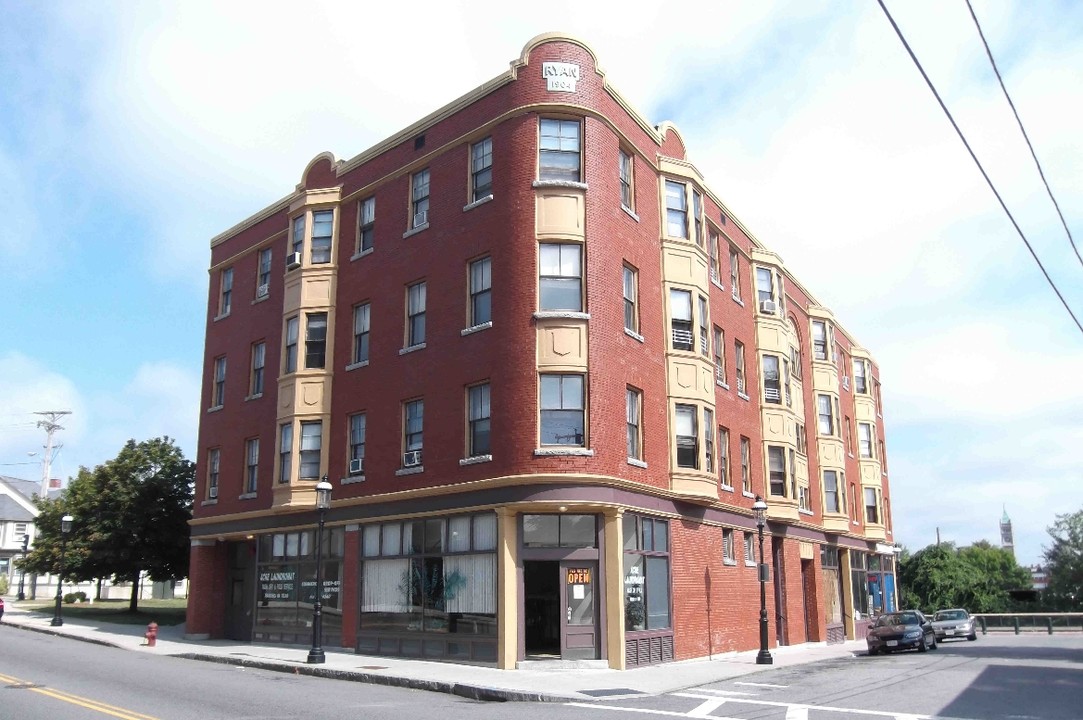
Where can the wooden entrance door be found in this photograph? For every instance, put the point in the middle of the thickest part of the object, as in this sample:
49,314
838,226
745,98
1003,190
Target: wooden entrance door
579,621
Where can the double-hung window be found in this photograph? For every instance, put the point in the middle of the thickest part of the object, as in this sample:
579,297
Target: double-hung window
746,471
323,222
560,279
214,456
861,384
259,352
719,355
631,292
772,381
676,210
361,326
481,169
413,426
680,308
251,452
626,176
712,247
292,328
311,445
825,415
833,500
299,234
697,216
765,289
687,436
735,285
563,403
776,465
415,314
315,340
864,439
263,279
225,301
419,199
708,440
872,505
704,338
739,365
357,444
478,420
481,291
724,457
819,340
634,401
366,224
285,453
559,148
220,381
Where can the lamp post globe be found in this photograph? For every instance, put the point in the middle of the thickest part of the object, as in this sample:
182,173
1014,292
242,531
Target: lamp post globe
65,528
759,510
323,502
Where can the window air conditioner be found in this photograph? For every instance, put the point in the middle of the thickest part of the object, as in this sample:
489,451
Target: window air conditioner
767,306
262,290
411,459
293,260
421,218
212,493
357,466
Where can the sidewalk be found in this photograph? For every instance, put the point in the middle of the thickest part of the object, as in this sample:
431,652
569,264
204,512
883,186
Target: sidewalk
472,681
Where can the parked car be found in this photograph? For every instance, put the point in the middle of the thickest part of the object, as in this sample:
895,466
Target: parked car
1,608
955,623
903,630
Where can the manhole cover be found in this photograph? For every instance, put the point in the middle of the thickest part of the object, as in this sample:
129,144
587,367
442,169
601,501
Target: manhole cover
610,691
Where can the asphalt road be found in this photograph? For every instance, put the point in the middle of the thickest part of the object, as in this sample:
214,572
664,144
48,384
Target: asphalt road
43,677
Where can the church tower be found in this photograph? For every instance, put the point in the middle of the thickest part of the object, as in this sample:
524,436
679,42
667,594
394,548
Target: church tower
1006,540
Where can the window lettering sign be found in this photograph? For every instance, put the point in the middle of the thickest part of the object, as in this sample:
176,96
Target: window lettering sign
560,77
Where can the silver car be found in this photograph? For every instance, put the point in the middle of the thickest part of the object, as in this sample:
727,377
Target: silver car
955,623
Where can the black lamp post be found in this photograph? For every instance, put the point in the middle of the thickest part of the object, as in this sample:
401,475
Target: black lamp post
65,528
764,656
22,570
323,502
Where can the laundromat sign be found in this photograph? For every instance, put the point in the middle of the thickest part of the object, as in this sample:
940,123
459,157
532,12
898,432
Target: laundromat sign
560,77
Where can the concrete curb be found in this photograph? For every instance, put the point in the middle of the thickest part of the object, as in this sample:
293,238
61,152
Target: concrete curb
61,633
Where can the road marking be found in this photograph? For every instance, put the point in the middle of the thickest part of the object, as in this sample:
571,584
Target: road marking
727,693
666,713
95,705
765,685
796,712
706,707
825,708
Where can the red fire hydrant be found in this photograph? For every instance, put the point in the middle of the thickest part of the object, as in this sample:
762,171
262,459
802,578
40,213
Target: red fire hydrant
151,634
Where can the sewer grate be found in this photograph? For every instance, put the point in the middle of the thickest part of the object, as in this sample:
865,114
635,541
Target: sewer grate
611,691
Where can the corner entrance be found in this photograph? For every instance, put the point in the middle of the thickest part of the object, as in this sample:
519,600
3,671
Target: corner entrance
560,609
541,598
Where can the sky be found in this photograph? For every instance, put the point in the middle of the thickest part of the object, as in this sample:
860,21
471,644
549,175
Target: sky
132,133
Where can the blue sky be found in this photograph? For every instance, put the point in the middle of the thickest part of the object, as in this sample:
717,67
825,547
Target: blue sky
130,134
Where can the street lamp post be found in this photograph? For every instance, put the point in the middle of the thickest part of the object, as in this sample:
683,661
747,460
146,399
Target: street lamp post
323,502
65,528
764,656
22,570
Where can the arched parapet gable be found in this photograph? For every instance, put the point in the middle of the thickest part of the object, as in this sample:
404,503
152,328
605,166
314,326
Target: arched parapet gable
321,172
672,141
524,57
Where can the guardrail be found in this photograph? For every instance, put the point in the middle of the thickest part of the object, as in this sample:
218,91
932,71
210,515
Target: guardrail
1030,622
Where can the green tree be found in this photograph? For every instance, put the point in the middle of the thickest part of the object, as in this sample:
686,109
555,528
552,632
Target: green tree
933,576
994,575
1064,563
978,577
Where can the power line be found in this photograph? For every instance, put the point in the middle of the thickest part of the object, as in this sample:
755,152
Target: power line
1023,130
978,163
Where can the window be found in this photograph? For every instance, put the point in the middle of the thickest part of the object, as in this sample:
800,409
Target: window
481,291
765,291
285,453
786,382
697,216
746,474
750,552
366,224
776,465
712,248
719,356
826,418
739,368
626,180
357,444
415,314
478,419
854,507
708,440
804,498
646,573
680,308
634,401
311,445
361,327
214,456
872,505
729,556
795,360
883,459
315,340
263,279
833,501
704,343
558,153
562,410
225,300
802,439
298,234
849,436
220,381
292,325
322,224
631,284
560,281
481,169
819,340
413,425
567,531
676,210
687,437
419,199
251,452
791,470
864,439
259,351
772,385
735,285
861,385
724,457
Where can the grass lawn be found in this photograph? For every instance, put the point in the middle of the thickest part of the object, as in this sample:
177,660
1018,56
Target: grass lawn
163,612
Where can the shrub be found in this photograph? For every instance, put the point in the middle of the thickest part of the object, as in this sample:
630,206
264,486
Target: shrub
69,598
3,585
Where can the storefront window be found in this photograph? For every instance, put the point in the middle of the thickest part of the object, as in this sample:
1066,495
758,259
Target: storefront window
646,573
859,580
286,587
560,531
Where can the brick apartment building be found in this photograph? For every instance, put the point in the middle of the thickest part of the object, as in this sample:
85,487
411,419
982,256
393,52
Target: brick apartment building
546,372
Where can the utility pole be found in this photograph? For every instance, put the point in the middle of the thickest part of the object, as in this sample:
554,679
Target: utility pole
51,425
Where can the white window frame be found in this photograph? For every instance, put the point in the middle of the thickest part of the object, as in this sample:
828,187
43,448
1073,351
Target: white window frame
567,270
419,198
556,142
481,169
